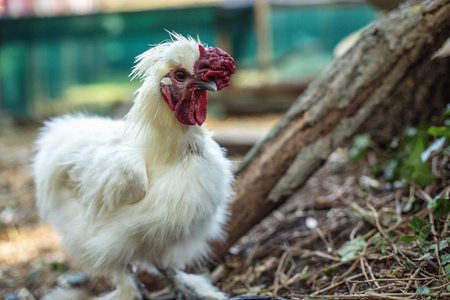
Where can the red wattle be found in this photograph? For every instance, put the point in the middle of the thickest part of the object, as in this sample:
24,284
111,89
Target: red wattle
165,92
200,110
191,111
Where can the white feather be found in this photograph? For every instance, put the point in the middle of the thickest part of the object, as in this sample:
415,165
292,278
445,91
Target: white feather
145,189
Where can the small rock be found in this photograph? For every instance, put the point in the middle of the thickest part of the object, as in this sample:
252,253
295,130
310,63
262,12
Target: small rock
10,283
311,223
7,215
11,296
22,294
25,294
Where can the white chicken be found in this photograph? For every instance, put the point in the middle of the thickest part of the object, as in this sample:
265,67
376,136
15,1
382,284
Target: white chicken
152,188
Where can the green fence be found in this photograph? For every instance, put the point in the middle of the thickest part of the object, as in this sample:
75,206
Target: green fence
41,59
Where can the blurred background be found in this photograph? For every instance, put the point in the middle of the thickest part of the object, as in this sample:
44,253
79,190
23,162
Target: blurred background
59,56
68,55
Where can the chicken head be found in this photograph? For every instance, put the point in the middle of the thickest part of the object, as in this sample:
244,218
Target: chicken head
185,93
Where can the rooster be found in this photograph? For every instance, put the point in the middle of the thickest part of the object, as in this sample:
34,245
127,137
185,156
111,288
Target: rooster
150,189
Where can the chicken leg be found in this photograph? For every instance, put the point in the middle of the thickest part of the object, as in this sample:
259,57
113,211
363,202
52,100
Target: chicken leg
128,288
191,286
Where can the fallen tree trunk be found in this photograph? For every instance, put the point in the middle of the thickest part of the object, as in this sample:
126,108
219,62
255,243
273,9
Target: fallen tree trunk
383,70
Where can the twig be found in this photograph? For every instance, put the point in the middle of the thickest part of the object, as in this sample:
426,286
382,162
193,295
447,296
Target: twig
363,269
445,228
394,296
252,254
297,277
338,264
440,287
306,252
278,273
377,220
388,286
335,285
396,279
417,255
322,237
398,211
370,271
352,291
390,296
291,269
428,198
349,270
367,216
412,278
364,261
357,227
422,194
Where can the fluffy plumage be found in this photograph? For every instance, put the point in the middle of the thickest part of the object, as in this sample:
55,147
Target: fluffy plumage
145,189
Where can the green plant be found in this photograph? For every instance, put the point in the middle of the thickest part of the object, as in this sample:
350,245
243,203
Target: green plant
408,155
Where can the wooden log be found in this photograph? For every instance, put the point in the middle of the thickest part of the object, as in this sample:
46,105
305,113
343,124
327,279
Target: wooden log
386,60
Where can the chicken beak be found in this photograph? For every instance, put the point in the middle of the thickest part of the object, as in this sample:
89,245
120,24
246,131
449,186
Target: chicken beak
207,86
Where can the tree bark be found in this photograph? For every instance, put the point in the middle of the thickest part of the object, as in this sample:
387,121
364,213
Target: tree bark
370,87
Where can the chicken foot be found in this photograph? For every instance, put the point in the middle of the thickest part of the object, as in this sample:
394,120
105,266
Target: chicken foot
140,286
128,288
182,290
190,286
184,286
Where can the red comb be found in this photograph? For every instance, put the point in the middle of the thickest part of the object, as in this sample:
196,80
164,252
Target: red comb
214,64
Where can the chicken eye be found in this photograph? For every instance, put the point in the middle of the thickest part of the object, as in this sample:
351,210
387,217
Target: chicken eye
180,75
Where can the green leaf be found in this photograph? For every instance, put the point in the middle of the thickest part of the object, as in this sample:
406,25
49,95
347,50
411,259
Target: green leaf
361,145
423,290
381,243
421,227
330,271
409,238
439,131
445,259
446,111
423,234
440,206
416,224
447,269
351,248
443,244
425,256
414,169
398,272
410,265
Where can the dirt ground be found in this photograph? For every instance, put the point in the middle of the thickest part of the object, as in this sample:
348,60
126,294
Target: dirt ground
294,253
30,259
